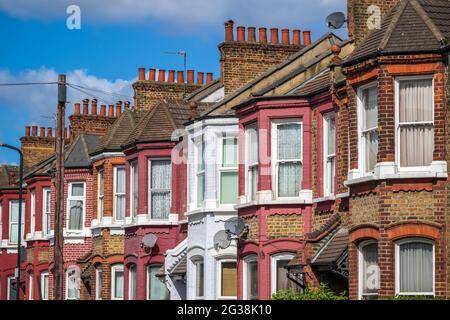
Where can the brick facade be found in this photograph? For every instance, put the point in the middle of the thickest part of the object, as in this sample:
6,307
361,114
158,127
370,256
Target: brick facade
36,148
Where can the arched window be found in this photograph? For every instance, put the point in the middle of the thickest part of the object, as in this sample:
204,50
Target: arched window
156,289
132,282
117,282
279,273
369,274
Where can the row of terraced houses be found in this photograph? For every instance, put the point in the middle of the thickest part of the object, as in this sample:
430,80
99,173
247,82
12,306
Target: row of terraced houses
334,153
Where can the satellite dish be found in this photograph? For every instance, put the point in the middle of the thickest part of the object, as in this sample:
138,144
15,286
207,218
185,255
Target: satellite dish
222,240
149,240
336,20
235,226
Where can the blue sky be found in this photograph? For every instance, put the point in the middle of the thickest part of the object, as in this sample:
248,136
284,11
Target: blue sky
117,37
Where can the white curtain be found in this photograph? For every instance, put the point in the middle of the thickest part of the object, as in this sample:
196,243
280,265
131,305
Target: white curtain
72,287
416,267
160,188
369,127
77,190
118,284
416,123
47,211
289,146
157,289
76,215
14,222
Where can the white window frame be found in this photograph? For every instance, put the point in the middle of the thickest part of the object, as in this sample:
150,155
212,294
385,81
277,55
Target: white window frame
397,266
33,211
67,285
247,260
273,267
114,269
42,280
150,190
9,281
221,169
76,198
46,212
329,187
147,282
134,167
397,121
31,286
219,280
275,161
199,150
361,271
249,166
361,141
118,194
98,282
132,282
196,278
100,196
11,223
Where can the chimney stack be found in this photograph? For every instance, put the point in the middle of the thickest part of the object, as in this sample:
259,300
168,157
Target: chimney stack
94,107
193,105
27,131
306,38
274,36
241,34
251,34
209,77
200,78
118,108
49,132
229,30
141,73
285,36
162,75
34,130
42,132
77,108
296,37
152,74
263,35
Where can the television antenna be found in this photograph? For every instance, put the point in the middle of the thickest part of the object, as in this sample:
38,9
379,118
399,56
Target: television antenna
222,240
336,20
183,54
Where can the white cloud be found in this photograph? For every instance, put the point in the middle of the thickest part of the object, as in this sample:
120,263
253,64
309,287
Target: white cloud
39,101
182,13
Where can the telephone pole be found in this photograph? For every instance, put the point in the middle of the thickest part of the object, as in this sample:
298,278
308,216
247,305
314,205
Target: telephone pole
58,268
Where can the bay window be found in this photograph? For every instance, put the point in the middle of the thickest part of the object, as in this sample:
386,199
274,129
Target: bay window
250,279
414,264
200,172
44,285
132,282
134,185
156,289
227,279
119,193
117,282
278,272
46,224
329,145
287,157
160,186
76,205
251,143
368,270
414,122
98,282
199,279
368,128
33,211
14,221
101,192
229,171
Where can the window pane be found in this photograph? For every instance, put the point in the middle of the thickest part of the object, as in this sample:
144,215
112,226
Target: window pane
416,146
371,143
76,215
229,279
228,187
289,141
330,167
201,156
12,289
160,172
120,207
370,102
99,282
200,276
118,284
283,283
253,182
160,205
132,284
135,186
120,183
77,190
331,136
252,144
200,189
416,267
157,290
230,153
44,286
289,179
252,280
72,286
370,269
416,100
101,183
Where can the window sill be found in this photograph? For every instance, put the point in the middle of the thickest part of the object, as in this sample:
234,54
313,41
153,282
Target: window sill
37,236
324,199
265,197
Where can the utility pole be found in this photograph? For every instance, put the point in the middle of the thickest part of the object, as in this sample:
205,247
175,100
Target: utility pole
58,268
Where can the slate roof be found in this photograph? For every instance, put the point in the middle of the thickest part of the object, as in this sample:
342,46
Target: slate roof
410,26
117,134
332,249
8,176
319,83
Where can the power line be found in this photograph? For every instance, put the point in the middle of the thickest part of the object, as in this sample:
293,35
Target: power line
101,91
91,95
26,83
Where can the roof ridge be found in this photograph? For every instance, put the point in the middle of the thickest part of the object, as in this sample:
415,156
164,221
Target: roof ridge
426,18
387,35
169,115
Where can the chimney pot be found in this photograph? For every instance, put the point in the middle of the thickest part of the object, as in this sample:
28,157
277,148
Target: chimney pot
285,37
190,76
42,132
127,105
77,108
241,34
274,35
263,35
307,38
152,74
141,72
180,77
27,131
171,77
296,37
200,78
229,30
34,130
86,106
118,108
111,111
103,110
94,107
251,34
209,77
49,132
162,75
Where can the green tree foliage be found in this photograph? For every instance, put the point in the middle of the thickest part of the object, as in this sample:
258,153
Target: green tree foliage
310,293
